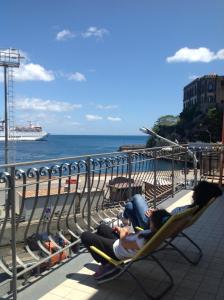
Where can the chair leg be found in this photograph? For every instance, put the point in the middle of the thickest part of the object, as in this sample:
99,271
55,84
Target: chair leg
147,294
191,261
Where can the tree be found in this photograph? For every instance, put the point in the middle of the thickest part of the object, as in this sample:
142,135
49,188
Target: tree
192,124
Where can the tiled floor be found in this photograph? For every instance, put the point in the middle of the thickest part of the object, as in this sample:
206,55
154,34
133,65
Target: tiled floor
202,282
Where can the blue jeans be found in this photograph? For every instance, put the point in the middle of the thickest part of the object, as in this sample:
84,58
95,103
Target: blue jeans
135,210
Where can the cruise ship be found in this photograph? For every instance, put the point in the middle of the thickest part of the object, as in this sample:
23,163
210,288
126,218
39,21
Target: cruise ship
30,132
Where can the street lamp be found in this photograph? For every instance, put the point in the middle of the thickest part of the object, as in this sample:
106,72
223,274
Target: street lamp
9,58
149,131
210,136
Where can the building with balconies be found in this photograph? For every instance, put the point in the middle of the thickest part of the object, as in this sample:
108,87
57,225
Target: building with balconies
206,91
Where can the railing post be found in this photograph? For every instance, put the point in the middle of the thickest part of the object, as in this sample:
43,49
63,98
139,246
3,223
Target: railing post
200,164
129,175
185,170
172,173
88,193
221,166
155,179
12,199
195,168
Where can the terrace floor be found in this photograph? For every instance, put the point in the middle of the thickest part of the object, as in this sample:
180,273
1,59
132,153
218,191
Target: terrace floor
202,282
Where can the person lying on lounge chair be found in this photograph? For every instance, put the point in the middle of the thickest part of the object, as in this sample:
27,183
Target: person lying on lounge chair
119,243
138,213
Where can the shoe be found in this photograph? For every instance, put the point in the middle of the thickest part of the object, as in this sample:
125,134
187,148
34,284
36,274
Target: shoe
98,271
106,221
120,216
103,271
75,248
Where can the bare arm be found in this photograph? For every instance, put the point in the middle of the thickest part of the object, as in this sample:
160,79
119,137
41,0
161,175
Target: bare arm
148,213
123,233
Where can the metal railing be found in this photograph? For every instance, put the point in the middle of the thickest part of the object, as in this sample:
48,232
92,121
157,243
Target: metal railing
56,200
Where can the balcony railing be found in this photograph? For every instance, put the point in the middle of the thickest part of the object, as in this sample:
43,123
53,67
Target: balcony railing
46,205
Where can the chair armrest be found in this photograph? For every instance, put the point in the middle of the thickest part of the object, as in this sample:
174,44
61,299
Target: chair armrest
139,228
105,256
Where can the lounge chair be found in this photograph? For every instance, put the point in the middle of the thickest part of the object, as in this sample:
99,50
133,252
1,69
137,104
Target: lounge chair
172,227
182,234
169,245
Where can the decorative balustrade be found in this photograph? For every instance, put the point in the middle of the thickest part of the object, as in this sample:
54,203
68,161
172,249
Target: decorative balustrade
54,201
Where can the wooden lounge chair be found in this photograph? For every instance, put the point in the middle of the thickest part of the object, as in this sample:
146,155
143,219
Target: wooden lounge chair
171,228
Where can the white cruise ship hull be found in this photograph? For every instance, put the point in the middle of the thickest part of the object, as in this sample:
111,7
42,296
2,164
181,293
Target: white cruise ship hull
25,136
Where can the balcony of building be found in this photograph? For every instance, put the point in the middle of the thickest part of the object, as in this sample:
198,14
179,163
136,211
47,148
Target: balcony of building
89,190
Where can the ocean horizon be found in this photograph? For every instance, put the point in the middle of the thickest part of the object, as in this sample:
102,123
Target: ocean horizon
59,146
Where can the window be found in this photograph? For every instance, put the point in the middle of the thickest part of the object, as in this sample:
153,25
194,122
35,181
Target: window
202,87
210,87
211,99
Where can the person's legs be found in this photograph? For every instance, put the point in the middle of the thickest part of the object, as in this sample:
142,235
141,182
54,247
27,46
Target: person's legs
106,231
104,244
140,207
128,210
135,211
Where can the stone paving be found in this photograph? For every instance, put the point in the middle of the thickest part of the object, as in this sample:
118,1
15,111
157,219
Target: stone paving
202,282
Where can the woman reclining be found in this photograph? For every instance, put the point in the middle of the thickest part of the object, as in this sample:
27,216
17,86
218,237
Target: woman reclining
119,243
138,213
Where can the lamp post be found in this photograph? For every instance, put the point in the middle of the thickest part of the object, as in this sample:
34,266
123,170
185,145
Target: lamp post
149,131
221,156
210,136
9,58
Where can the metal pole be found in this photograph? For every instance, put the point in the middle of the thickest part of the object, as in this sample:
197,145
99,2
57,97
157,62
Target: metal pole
88,194
151,132
6,116
185,171
221,155
155,181
12,199
172,174
129,176
195,168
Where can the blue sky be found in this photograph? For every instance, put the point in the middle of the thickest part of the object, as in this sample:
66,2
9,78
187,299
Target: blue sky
108,67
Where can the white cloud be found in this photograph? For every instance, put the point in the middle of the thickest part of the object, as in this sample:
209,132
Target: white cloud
114,119
75,123
95,32
37,104
220,54
77,77
31,72
193,77
106,106
93,117
201,54
64,35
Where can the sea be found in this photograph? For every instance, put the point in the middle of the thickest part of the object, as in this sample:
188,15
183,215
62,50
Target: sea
59,146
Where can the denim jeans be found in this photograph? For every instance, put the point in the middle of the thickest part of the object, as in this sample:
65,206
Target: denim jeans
135,210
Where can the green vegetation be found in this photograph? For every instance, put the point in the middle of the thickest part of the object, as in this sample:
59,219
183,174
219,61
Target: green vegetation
191,125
